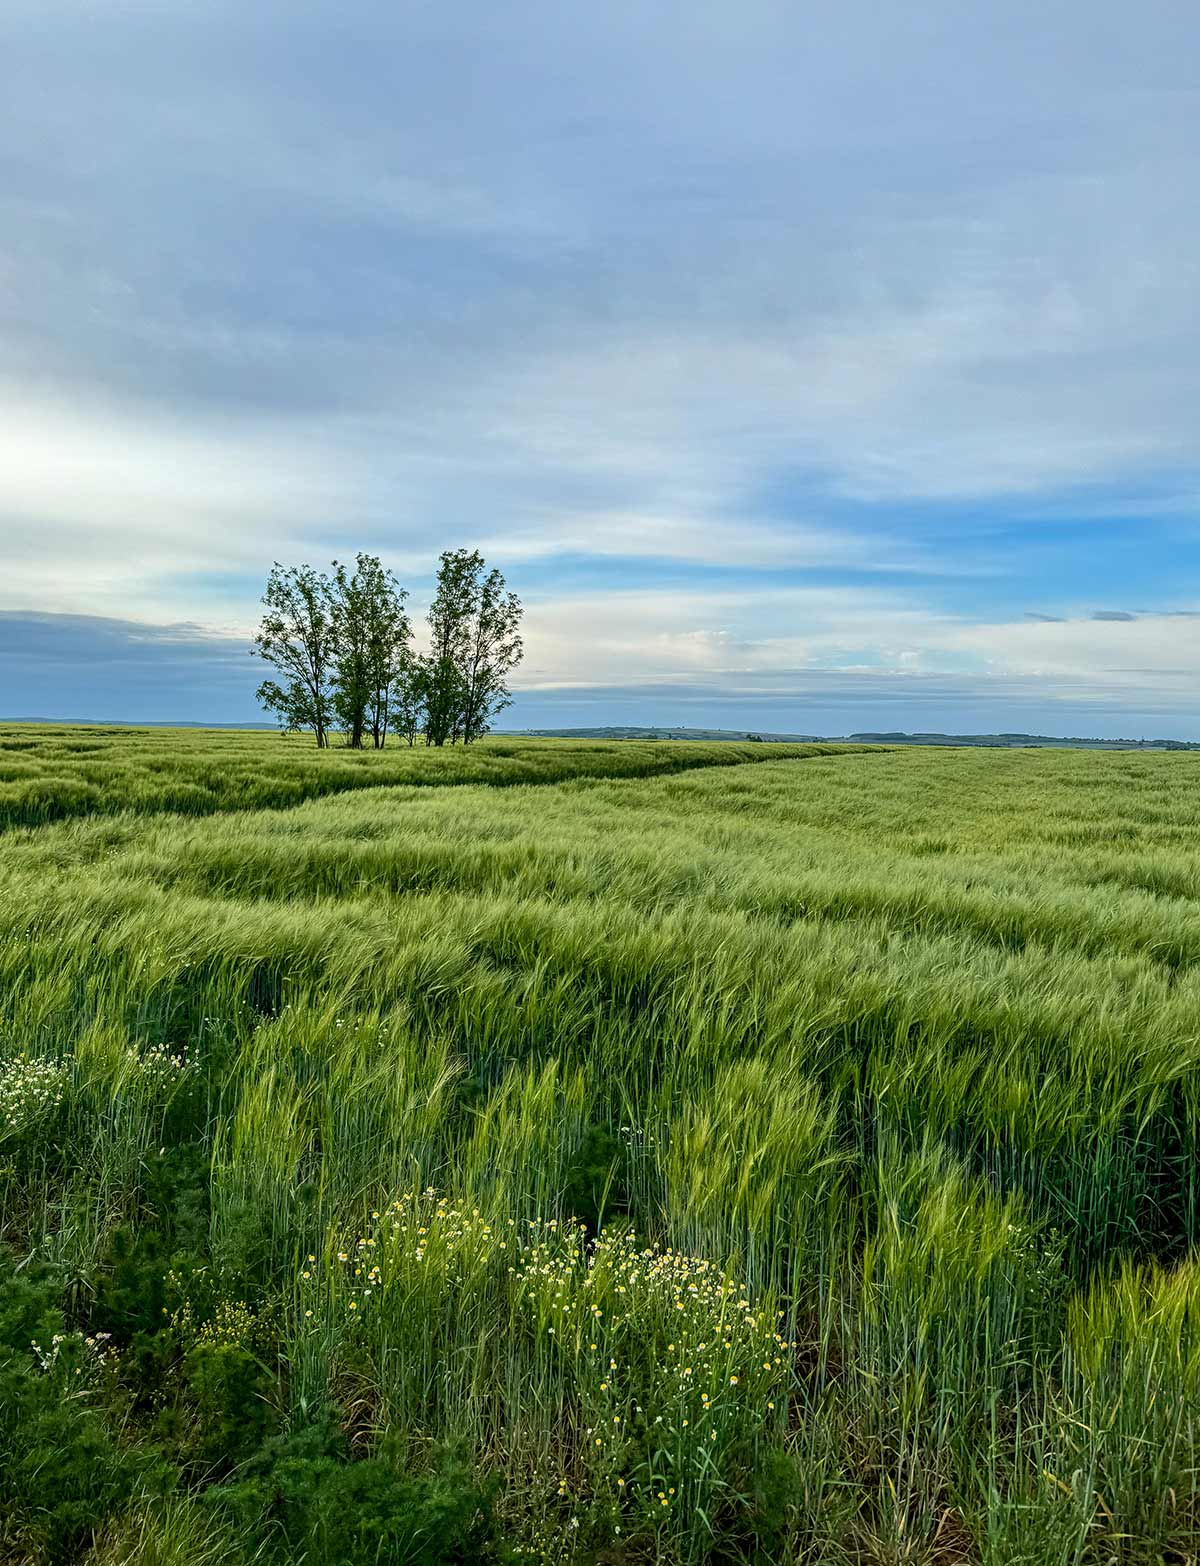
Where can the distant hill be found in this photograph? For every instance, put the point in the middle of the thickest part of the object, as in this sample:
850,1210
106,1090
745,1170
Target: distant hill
1020,741
891,737
632,731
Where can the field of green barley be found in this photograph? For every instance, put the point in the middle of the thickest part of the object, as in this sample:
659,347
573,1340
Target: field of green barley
597,1153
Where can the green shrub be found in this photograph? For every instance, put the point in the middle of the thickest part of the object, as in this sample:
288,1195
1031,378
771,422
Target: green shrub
232,1394
132,1297
62,1472
331,1512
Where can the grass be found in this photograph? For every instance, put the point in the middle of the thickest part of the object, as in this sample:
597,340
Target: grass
58,773
628,1153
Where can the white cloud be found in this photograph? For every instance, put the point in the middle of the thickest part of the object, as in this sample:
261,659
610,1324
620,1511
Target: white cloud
632,283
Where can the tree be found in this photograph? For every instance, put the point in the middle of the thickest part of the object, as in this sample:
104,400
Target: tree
371,634
474,644
449,641
494,649
352,679
407,697
342,645
389,633
296,636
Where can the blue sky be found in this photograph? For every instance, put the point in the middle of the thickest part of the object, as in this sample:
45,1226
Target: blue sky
817,368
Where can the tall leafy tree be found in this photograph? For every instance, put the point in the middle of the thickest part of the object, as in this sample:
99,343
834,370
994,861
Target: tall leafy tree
407,698
494,648
449,640
371,634
352,675
474,644
388,637
342,643
296,636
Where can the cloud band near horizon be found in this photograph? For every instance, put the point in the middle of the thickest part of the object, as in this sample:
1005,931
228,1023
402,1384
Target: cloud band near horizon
778,356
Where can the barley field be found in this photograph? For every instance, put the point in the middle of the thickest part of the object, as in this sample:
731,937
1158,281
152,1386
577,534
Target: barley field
597,1153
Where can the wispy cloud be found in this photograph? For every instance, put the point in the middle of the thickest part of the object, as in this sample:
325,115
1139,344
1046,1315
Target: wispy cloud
909,330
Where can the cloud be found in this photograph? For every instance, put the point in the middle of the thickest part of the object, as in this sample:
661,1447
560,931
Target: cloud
1112,614
611,292
89,666
796,657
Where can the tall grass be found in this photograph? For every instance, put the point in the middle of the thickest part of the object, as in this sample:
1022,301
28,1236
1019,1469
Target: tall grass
55,774
862,1088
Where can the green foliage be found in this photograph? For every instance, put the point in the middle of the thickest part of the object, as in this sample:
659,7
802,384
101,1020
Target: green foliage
597,1178
474,645
131,1297
901,1044
298,637
62,1471
231,1392
173,1531
370,646
332,1512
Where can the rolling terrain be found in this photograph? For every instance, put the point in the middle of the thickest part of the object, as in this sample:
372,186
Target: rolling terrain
632,1152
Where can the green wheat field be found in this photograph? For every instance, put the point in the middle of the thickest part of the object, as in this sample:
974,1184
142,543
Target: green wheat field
596,1153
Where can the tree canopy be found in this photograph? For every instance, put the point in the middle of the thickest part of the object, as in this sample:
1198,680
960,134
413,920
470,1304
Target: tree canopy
342,643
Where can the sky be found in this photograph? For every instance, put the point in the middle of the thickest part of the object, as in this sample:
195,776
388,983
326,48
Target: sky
810,368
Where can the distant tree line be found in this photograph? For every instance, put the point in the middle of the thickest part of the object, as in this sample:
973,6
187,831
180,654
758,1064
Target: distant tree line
341,644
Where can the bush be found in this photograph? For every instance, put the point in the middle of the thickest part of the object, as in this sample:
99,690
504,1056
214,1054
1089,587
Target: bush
131,1297
332,1512
62,1475
232,1394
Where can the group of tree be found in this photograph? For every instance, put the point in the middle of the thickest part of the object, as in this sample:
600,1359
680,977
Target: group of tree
341,643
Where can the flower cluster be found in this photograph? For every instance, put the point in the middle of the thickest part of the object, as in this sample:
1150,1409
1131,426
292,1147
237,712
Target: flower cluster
31,1088
673,1363
206,1315
655,1367
63,1345
405,1232
161,1064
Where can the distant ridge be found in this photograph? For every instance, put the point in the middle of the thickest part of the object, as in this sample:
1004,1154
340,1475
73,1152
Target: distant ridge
662,732
1021,741
891,737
